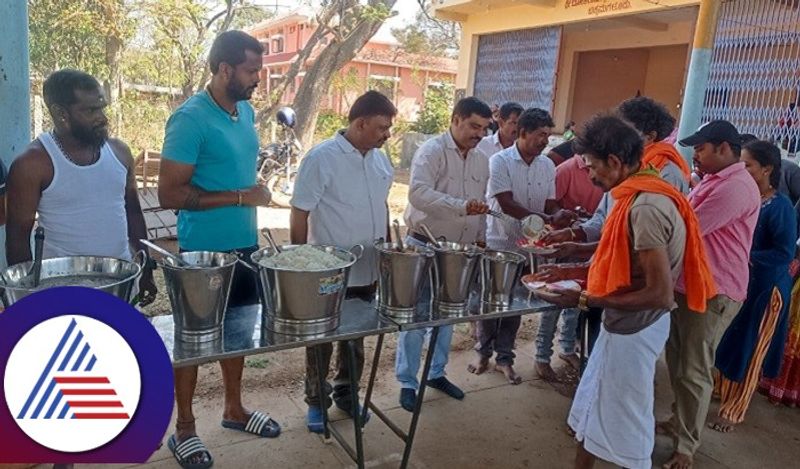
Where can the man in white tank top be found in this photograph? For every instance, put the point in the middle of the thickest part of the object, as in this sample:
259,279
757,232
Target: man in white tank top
79,181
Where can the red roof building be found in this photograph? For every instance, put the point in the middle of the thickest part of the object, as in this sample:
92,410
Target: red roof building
382,66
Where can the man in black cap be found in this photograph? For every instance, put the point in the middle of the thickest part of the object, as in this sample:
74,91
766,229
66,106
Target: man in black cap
727,202
561,153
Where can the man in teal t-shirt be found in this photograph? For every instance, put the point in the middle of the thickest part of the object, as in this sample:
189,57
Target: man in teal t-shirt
208,172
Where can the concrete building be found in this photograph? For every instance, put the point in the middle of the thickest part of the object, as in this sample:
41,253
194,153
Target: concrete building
579,57
381,66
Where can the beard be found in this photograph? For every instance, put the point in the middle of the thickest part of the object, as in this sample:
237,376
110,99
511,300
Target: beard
239,92
94,136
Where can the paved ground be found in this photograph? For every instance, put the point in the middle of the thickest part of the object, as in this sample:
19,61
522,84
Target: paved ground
497,425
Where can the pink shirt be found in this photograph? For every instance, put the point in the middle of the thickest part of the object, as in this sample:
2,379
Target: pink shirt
574,187
727,205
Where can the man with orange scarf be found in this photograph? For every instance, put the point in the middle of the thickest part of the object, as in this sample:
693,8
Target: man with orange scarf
650,237
654,122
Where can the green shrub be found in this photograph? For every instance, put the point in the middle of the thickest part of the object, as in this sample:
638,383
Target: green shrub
328,123
435,114
394,147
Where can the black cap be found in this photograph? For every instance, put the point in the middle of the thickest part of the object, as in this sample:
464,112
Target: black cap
715,131
564,150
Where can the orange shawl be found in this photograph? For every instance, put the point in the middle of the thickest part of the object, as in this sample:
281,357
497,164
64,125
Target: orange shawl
660,153
611,269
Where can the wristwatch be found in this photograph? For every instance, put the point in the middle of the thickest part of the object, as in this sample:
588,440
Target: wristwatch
583,301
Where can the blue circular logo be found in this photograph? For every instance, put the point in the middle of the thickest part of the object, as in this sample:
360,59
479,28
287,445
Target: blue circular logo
86,379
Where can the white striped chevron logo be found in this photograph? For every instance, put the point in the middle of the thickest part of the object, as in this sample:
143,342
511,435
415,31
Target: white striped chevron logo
72,383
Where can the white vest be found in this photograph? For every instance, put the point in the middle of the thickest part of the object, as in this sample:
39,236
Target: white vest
83,210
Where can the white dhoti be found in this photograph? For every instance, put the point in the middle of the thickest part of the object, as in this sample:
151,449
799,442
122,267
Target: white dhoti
612,413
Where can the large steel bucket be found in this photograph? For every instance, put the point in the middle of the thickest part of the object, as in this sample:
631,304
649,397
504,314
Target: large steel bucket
303,302
401,276
199,293
500,272
111,275
456,267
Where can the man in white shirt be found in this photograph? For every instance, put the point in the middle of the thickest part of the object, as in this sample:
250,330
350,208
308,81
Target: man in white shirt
507,132
448,185
522,182
340,200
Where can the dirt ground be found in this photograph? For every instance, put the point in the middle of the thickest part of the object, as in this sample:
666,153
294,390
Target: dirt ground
497,425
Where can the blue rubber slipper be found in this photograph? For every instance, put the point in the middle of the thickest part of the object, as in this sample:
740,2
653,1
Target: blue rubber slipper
186,450
259,424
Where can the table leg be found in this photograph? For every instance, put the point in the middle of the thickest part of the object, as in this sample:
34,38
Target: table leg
372,374
357,455
357,419
420,395
323,398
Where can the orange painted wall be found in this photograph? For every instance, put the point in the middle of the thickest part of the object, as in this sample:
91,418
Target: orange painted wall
605,78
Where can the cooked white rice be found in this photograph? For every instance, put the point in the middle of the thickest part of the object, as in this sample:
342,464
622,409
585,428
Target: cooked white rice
304,257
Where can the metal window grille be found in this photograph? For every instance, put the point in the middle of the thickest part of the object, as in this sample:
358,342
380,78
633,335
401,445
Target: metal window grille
755,70
518,66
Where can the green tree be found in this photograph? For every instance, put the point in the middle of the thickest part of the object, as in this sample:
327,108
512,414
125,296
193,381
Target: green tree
429,35
89,35
346,26
182,32
161,43
435,114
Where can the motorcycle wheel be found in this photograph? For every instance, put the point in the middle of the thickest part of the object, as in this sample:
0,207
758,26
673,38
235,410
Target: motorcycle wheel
277,185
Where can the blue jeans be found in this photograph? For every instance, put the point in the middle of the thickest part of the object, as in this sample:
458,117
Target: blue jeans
409,344
409,353
547,331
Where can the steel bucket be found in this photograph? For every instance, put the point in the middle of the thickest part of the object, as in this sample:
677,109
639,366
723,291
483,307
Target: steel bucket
303,302
401,276
500,272
199,293
111,275
455,270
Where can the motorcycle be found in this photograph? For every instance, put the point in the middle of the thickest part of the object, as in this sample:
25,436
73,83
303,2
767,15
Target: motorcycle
277,163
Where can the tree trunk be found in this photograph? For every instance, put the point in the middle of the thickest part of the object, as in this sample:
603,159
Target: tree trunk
318,77
274,100
113,84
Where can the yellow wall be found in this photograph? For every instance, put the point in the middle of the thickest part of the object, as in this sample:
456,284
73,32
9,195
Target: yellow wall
532,16
666,72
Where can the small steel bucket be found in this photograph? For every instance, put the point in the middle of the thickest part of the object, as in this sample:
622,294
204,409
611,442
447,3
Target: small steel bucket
111,275
500,272
199,293
401,276
303,302
455,270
